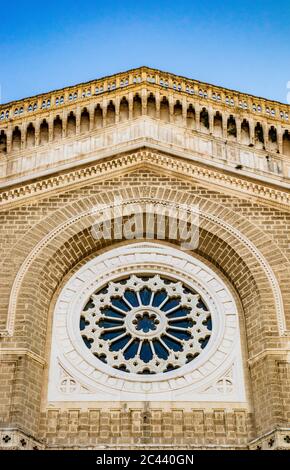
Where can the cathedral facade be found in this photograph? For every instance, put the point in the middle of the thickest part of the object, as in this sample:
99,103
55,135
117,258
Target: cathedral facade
145,267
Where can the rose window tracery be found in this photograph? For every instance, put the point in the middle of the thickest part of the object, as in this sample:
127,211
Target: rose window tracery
146,324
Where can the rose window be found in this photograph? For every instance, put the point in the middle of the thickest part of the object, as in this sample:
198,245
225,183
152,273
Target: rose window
146,324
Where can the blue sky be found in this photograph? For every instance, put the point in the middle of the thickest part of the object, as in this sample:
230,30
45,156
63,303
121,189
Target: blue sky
243,45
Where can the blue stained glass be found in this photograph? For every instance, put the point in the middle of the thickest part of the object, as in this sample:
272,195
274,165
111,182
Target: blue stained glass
83,323
181,323
159,297
119,303
120,343
179,334
174,345
146,323
181,312
112,313
145,295
203,342
108,323
146,353
131,297
170,304
208,323
186,290
87,342
112,334
201,304
126,334
160,350
132,349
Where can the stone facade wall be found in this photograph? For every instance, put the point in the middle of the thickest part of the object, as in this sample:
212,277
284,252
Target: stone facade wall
153,428
45,237
31,332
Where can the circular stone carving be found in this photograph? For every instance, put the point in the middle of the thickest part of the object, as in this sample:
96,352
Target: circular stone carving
146,324
170,268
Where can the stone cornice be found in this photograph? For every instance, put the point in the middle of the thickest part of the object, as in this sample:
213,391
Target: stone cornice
270,352
156,160
16,439
276,439
140,70
4,352
122,82
144,131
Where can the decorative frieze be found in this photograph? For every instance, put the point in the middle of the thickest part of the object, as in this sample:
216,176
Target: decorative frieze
144,131
148,157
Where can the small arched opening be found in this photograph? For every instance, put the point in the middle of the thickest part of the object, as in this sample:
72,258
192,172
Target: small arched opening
164,109
190,117
30,136
137,106
204,120
218,124
151,106
85,121
3,143
177,113
231,128
43,132
98,117
71,125
111,113
286,143
272,139
259,136
57,128
245,132
124,110
16,139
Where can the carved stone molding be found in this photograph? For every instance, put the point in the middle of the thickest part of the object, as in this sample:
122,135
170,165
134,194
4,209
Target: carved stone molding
150,158
14,439
277,439
202,214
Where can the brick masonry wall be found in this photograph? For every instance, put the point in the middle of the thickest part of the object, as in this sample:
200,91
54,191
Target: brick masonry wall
197,428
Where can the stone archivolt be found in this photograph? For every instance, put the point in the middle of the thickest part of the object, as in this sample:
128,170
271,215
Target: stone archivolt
87,218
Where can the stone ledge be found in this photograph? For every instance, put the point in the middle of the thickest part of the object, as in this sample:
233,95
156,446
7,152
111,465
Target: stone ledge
144,157
14,439
277,439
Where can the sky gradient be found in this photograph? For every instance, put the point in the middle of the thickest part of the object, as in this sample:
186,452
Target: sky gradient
239,45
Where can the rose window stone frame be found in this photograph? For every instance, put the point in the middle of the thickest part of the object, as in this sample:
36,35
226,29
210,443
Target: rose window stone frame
146,324
197,380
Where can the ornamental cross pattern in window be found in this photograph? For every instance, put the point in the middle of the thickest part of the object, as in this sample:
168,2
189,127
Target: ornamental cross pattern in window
145,324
